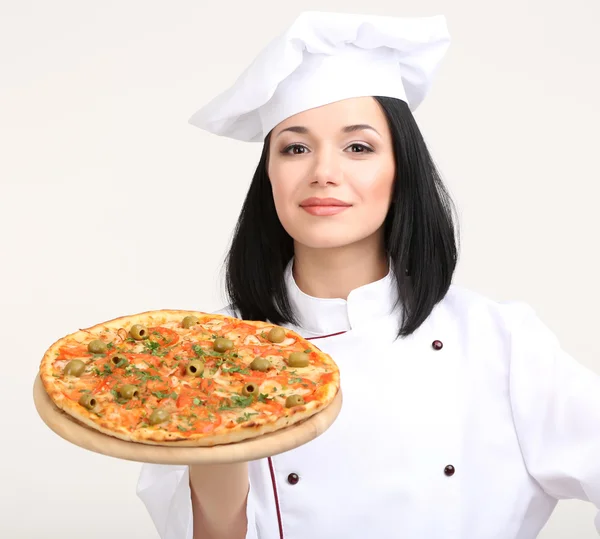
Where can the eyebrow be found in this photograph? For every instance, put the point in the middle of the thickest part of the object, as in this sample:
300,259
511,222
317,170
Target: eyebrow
348,129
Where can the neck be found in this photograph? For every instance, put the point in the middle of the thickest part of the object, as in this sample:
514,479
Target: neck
335,272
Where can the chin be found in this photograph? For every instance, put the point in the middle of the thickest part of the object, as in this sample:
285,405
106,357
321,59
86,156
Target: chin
321,240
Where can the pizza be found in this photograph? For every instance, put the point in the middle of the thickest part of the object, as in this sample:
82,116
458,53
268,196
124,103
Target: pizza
187,378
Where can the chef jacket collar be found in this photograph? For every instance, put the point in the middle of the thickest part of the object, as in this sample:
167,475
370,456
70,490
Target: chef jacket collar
325,316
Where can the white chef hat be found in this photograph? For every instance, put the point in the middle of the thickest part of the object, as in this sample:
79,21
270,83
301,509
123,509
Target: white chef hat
326,57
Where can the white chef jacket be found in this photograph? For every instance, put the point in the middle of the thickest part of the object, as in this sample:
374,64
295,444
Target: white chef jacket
474,437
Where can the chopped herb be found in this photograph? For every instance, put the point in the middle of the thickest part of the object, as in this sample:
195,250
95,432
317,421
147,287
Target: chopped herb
235,354
181,428
161,395
198,350
197,401
307,351
152,347
241,401
273,390
84,391
236,368
110,345
262,397
142,425
295,380
245,417
237,401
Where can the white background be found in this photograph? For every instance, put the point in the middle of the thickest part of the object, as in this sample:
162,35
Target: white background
111,203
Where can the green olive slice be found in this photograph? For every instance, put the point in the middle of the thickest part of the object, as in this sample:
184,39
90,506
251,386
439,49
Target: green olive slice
119,360
260,364
298,359
222,345
129,391
195,368
190,321
250,389
294,400
97,347
138,332
75,367
87,400
160,415
276,335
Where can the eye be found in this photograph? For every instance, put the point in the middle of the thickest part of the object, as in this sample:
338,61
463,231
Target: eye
357,145
287,150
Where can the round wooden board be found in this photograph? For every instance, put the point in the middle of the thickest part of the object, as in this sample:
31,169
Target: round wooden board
264,446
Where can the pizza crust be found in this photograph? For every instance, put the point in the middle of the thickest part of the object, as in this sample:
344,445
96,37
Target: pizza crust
223,434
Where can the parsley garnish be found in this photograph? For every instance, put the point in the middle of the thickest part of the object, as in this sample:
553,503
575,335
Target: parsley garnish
236,368
152,346
237,401
161,395
245,417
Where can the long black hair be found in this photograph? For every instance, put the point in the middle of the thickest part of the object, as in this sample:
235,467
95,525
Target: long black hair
420,237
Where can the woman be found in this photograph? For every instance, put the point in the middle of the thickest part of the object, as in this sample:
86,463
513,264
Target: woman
462,417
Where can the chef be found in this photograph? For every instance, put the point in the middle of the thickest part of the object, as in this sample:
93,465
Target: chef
462,417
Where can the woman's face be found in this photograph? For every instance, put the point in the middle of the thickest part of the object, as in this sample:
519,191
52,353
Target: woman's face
332,183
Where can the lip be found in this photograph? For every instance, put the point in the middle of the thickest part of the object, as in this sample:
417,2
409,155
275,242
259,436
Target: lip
324,206
314,202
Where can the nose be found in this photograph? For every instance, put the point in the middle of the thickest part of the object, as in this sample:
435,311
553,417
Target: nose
327,169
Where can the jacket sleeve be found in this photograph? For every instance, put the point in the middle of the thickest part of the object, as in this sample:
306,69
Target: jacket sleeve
166,493
556,408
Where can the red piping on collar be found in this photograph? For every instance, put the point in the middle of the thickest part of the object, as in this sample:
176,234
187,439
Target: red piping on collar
270,460
325,336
